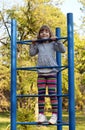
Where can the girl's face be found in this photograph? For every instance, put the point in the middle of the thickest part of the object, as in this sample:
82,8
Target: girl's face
44,34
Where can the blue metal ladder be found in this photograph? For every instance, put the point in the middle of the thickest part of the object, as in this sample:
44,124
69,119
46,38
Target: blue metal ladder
71,93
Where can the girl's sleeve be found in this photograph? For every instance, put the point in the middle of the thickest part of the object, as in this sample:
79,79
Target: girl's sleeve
58,46
33,50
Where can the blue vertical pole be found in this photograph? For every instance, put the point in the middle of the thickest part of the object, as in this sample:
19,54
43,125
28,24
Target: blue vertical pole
59,84
13,74
71,71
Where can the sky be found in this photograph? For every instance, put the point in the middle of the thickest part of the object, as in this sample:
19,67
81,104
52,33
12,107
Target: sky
71,6
9,3
68,6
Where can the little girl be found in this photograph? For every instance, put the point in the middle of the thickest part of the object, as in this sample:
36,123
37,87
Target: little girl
46,51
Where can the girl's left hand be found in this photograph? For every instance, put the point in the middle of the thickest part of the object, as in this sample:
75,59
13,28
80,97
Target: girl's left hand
53,38
34,41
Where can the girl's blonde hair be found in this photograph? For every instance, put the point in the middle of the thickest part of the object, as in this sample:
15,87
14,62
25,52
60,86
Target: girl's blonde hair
44,27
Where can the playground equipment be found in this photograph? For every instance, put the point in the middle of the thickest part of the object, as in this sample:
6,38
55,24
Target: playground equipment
70,67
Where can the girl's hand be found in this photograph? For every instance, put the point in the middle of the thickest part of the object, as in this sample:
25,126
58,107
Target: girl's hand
34,41
54,38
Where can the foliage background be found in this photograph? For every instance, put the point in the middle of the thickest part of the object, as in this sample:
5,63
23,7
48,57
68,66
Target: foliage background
30,17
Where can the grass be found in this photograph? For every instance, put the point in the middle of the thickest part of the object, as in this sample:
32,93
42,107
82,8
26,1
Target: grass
80,122
4,120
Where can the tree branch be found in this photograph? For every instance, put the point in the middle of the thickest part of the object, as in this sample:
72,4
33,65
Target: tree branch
5,25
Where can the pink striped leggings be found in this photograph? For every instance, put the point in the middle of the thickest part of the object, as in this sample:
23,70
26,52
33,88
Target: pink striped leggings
51,82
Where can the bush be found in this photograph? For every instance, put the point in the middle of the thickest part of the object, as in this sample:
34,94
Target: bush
25,115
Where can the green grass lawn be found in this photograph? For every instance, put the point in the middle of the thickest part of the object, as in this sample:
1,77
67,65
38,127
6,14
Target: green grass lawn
80,122
4,120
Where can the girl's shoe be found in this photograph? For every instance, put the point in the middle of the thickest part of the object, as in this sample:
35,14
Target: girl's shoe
42,118
53,119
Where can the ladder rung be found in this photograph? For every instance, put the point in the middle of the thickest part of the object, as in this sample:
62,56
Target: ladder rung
39,40
36,123
60,95
35,68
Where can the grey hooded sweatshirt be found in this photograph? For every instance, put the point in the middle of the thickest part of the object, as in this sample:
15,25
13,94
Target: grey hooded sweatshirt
46,55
